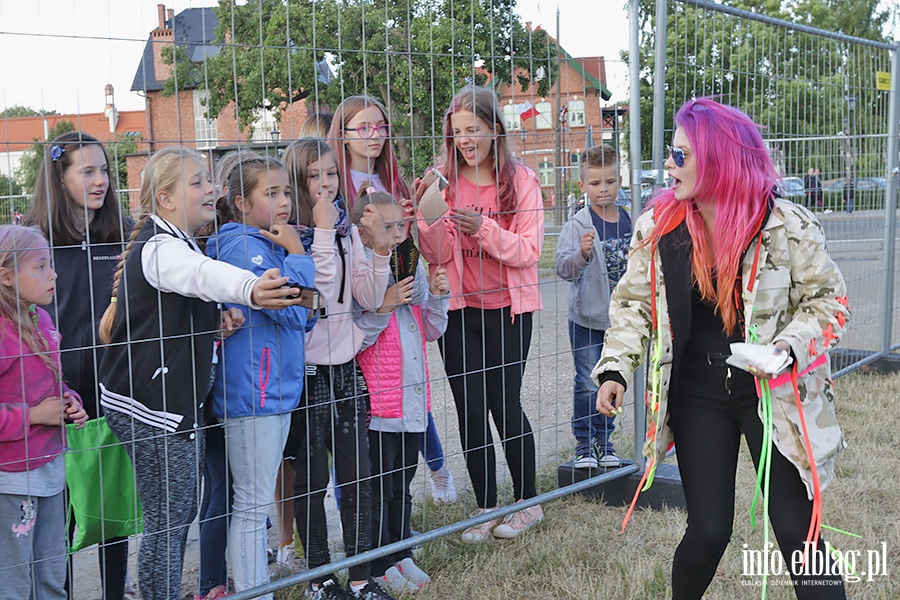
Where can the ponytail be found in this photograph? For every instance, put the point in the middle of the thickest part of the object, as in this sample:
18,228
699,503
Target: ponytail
109,316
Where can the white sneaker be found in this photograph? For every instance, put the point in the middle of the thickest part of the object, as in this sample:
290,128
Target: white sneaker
285,556
394,581
519,522
411,571
609,460
442,489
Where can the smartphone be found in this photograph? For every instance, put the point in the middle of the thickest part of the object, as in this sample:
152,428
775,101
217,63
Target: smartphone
432,205
309,297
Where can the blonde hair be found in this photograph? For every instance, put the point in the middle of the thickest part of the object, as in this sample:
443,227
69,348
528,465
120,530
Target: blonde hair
364,198
223,169
162,174
17,243
316,125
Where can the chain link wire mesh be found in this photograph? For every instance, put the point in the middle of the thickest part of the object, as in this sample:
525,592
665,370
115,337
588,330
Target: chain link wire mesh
248,76
823,101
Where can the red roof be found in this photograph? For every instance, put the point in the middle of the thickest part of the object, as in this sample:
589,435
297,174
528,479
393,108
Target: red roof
19,134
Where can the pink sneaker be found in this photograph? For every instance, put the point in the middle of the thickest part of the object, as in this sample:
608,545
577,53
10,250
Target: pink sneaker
518,522
479,533
214,594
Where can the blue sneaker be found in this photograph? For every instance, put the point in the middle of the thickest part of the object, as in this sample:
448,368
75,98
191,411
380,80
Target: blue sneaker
586,456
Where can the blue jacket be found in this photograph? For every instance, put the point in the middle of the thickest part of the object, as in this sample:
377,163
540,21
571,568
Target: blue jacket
262,365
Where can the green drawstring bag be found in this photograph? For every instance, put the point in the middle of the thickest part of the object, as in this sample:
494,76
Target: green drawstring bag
103,498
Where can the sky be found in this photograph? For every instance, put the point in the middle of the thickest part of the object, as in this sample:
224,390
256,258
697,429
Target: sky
59,54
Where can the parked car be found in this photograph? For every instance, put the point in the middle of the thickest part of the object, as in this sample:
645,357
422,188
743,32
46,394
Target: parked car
861,184
792,189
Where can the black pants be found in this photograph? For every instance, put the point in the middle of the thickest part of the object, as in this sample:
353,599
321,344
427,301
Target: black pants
332,418
394,457
484,356
113,559
707,423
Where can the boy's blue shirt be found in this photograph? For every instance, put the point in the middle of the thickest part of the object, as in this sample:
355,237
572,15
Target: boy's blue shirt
589,292
614,242
261,366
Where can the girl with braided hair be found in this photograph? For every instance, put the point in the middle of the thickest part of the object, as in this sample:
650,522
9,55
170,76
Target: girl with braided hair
157,370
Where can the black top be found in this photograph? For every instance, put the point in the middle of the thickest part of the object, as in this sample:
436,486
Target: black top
158,363
707,334
83,286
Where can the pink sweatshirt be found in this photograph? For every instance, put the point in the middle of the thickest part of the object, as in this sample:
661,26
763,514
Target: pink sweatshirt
25,381
335,339
518,248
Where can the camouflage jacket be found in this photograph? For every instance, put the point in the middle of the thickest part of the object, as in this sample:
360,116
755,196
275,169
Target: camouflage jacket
796,293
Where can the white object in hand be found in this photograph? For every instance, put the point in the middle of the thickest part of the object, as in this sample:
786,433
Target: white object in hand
763,358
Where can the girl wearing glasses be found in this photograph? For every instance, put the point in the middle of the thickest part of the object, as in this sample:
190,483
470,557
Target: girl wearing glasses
360,135
717,259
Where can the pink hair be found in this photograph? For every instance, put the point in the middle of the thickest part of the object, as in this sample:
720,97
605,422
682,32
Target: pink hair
386,166
482,102
736,173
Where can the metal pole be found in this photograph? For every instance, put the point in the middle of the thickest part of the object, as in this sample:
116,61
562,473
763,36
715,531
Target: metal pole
659,90
558,190
890,202
434,534
634,155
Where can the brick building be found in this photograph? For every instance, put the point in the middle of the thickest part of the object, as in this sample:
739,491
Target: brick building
574,115
182,119
18,134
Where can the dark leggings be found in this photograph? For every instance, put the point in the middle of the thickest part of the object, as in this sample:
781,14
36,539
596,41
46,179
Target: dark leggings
332,419
708,423
484,355
113,559
167,473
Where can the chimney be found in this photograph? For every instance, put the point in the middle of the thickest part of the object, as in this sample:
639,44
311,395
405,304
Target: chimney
110,111
162,37
170,14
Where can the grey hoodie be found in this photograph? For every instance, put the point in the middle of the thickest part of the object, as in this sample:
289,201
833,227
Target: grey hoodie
589,293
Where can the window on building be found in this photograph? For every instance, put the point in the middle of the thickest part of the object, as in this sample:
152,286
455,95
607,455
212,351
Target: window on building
546,173
576,113
263,125
545,115
205,130
575,164
511,117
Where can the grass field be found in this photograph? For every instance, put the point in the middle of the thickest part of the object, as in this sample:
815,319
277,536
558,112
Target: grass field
579,552
548,253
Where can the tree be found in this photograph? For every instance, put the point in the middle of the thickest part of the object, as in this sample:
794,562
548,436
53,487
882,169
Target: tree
9,186
31,159
411,54
794,84
16,111
117,150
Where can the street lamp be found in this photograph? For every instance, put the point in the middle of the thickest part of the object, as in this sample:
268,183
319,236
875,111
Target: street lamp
276,135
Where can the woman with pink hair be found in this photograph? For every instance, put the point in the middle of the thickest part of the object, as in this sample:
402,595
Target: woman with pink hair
715,260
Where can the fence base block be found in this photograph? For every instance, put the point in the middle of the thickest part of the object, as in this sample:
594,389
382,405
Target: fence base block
666,490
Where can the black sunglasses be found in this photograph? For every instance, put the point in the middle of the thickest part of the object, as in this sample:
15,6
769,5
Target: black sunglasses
677,155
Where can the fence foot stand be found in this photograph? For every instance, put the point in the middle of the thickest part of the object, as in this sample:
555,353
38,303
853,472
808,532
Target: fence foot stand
666,490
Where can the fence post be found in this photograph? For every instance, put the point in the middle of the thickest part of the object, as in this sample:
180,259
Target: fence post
659,90
634,154
890,202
